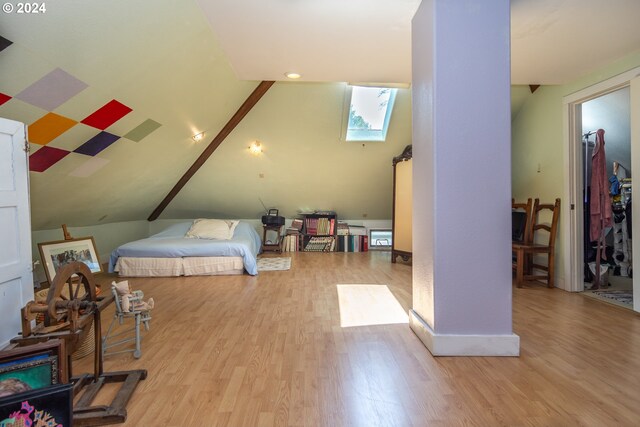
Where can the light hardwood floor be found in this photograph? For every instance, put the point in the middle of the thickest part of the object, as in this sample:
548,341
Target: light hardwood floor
270,351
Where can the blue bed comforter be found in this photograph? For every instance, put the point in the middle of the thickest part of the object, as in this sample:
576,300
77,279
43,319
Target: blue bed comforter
171,243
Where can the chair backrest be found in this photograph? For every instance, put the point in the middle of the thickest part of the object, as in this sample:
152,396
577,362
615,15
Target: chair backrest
521,221
537,225
116,300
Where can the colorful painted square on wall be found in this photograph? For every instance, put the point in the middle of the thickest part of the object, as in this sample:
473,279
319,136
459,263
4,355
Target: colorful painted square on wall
107,115
4,98
52,90
97,144
49,127
143,130
4,43
88,168
45,157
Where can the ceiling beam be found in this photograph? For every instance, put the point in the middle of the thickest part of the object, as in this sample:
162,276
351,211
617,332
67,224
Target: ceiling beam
244,109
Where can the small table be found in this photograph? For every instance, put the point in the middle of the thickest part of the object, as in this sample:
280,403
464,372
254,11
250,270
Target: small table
268,245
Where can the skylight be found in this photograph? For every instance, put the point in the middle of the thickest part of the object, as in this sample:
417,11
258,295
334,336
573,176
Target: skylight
369,113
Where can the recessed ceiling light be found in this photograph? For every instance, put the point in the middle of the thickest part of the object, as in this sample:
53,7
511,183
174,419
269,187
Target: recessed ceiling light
292,75
198,137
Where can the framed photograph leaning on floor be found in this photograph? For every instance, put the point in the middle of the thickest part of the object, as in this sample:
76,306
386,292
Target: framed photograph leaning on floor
57,254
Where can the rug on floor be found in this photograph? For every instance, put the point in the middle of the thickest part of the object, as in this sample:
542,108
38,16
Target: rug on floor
624,297
274,264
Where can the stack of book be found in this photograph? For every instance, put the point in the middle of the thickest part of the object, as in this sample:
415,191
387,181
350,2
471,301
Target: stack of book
291,240
321,244
290,243
296,225
343,228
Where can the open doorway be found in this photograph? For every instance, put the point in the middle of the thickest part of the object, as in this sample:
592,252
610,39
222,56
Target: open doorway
573,227
609,113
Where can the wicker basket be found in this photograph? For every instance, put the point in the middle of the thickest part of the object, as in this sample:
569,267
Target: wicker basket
88,344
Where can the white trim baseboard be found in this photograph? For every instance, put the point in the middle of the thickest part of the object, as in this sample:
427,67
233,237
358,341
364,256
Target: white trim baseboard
463,345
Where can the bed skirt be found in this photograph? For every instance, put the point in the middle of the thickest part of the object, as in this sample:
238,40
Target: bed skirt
188,266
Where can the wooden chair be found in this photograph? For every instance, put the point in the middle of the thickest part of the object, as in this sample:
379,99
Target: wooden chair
521,221
534,247
521,228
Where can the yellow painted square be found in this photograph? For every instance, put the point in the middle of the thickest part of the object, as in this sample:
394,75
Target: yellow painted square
48,127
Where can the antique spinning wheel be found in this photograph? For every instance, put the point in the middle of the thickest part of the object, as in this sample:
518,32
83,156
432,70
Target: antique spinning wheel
77,280
72,296
72,307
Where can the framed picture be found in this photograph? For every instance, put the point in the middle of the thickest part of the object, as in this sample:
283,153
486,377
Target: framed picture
48,406
33,367
54,255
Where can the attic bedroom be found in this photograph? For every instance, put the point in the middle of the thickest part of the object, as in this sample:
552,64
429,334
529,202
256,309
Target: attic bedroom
160,120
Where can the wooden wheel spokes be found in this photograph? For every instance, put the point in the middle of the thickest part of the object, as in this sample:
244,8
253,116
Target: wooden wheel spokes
65,280
69,286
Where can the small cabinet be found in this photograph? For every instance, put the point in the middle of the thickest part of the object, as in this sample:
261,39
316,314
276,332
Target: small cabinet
402,205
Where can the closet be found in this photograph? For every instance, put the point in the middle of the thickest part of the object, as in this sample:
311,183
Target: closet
402,205
609,113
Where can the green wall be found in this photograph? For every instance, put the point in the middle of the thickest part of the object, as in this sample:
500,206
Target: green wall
537,157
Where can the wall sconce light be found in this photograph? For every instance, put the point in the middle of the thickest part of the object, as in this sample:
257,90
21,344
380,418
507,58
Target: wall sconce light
255,148
198,137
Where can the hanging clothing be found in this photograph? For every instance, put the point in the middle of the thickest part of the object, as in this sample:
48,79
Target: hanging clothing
615,185
600,204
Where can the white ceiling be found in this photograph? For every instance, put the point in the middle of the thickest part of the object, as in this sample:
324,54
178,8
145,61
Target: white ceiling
552,41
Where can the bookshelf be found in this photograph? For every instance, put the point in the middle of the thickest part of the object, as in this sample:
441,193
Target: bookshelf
319,231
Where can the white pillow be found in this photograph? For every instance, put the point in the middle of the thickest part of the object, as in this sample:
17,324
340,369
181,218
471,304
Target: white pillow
212,229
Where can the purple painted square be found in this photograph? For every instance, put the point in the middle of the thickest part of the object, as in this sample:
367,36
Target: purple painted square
97,144
52,90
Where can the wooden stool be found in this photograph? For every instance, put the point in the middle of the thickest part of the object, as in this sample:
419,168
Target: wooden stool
272,247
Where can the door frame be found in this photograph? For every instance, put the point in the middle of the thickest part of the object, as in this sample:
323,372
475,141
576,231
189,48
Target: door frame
572,232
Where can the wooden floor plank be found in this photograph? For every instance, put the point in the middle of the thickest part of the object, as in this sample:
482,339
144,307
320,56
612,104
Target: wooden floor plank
270,351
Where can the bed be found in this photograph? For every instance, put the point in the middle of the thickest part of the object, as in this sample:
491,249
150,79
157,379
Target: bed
172,253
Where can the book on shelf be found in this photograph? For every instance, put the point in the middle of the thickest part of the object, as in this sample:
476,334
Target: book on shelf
319,226
291,243
352,243
297,224
320,244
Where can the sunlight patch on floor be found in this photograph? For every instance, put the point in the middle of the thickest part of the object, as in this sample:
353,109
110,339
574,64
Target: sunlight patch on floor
365,305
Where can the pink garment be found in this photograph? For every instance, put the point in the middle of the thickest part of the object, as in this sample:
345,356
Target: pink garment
600,206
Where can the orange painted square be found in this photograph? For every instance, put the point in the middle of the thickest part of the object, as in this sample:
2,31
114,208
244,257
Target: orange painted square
49,127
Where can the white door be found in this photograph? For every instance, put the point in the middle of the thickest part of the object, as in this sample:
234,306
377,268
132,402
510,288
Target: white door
635,188
16,279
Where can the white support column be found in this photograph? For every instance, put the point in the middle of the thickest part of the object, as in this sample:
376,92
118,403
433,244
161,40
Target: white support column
462,178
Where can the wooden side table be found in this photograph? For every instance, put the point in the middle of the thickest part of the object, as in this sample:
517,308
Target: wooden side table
271,246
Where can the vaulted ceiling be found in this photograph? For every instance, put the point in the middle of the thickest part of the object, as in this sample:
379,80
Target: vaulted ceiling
553,41
113,91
